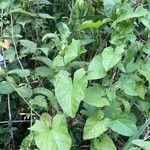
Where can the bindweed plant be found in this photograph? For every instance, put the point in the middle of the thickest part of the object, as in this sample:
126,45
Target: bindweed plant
75,74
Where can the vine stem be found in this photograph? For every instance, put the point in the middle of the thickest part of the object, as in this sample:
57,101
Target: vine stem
15,47
8,96
23,98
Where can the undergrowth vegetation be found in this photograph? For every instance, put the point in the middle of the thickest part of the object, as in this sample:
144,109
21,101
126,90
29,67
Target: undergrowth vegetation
75,74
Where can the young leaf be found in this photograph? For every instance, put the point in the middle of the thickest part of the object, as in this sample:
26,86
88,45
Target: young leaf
109,6
111,57
45,60
29,45
96,69
70,94
45,16
44,91
6,88
24,91
95,96
91,24
95,125
54,138
23,73
43,71
105,143
145,71
39,101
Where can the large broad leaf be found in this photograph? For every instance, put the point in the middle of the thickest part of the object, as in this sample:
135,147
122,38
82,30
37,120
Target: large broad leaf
105,143
141,143
133,14
95,96
74,50
95,125
55,137
70,94
124,126
96,69
110,57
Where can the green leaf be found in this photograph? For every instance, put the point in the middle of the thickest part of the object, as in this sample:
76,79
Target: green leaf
124,126
46,2
47,119
24,91
58,61
45,60
64,30
74,50
21,11
25,144
96,69
133,14
2,72
29,45
55,138
23,73
4,4
49,35
111,57
109,6
43,91
6,88
128,84
145,22
46,16
70,94
105,143
39,101
141,143
95,96
43,71
95,125
146,74
91,24
139,89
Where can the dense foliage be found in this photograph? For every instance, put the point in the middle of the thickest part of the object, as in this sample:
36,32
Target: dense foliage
76,74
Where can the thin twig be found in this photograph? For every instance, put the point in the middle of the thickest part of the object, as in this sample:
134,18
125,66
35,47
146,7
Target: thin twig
147,136
15,121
